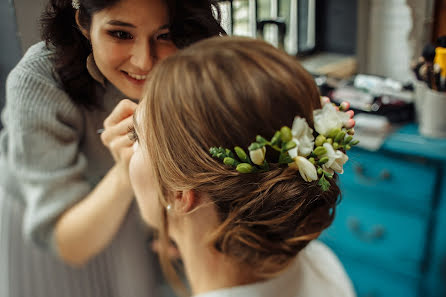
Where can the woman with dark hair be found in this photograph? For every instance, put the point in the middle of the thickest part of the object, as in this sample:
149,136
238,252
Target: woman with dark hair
236,161
64,187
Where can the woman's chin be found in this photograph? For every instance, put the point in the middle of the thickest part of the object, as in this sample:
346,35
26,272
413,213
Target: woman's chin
131,91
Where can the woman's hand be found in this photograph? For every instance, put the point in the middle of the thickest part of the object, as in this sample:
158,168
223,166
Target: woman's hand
115,135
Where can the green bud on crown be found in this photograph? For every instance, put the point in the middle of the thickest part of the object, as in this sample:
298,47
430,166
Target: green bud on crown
245,168
286,134
241,154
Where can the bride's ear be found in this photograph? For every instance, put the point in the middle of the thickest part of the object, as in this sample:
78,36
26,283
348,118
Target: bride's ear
185,201
80,27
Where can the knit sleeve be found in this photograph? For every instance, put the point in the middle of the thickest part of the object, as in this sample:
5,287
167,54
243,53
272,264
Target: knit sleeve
44,132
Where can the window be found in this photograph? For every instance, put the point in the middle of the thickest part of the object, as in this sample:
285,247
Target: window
289,24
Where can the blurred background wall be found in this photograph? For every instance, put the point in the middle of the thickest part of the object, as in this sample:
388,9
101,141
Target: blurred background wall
10,47
20,28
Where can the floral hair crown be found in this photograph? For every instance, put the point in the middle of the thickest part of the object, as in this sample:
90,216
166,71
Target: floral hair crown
315,158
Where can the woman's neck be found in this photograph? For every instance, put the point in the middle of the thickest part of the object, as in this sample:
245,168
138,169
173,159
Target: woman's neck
206,268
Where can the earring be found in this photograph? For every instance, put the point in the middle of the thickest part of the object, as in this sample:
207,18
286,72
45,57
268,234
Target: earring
76,5
94,71
169,207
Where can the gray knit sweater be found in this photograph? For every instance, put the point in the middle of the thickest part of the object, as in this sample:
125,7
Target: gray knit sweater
50,153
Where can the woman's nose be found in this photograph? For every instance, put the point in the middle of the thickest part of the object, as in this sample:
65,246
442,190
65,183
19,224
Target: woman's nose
143,56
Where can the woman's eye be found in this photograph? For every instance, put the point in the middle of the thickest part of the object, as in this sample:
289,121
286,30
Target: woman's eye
164,36
132,134
121,35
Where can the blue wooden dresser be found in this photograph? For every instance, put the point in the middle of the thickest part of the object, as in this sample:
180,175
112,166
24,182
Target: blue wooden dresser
390,227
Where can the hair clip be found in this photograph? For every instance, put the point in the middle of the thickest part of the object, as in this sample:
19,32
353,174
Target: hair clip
76,4
315,158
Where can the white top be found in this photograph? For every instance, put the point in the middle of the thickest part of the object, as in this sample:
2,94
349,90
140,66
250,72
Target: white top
317,272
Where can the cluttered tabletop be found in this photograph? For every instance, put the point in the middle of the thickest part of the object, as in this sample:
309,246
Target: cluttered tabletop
392,115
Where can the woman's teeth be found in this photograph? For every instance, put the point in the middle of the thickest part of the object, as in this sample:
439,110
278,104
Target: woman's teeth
136,76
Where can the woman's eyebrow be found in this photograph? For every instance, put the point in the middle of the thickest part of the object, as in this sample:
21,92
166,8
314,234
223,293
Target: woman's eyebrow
120,23
124,24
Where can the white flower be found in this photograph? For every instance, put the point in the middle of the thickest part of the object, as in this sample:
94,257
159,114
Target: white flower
329,118
306,169
303,137
258,156
336,159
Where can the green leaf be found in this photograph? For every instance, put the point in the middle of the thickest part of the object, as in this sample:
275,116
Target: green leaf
213,151
284,158
276,138
328,175
323,183
265,165
262,141
254,146
288,145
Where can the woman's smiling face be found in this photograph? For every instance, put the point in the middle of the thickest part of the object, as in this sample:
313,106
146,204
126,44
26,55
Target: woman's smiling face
127,39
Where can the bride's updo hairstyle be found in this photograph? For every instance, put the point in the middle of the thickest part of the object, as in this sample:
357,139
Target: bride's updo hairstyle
223,92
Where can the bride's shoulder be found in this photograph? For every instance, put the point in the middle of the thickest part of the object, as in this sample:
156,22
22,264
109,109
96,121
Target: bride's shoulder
323,271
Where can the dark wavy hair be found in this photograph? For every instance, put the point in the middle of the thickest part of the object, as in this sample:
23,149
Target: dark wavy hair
190,21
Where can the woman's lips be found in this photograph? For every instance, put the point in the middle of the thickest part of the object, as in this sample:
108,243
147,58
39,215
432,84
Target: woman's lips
135,78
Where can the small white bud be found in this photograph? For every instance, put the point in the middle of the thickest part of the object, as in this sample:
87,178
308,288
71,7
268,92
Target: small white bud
306,169
258,156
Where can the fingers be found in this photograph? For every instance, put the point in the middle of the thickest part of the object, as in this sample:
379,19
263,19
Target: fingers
115,134
120,143
116,131
123,110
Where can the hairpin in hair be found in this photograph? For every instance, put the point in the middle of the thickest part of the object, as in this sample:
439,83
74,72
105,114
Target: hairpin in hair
76,4
315,158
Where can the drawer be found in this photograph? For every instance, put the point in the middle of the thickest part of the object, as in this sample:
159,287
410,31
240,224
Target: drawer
370,281
384,237
389,181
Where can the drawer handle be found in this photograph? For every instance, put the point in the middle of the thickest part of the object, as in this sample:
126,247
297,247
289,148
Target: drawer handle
375,234
360,171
